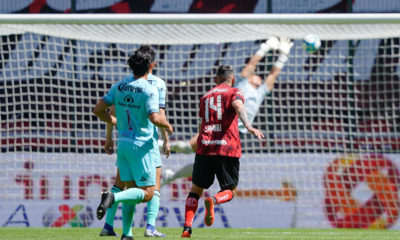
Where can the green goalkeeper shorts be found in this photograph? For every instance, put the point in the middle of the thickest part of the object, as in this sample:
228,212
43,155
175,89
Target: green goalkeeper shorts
137,163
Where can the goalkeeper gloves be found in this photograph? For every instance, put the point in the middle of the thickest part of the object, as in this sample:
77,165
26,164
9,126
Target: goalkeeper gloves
285,45
271,43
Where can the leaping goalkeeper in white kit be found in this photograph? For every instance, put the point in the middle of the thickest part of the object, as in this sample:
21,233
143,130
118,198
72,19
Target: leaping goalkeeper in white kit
254,91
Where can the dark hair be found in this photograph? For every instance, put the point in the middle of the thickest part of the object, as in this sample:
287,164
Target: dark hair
147,48
140,62
224,72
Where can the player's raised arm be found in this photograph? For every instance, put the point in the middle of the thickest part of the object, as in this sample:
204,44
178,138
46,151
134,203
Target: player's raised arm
241,112
285,44
271,44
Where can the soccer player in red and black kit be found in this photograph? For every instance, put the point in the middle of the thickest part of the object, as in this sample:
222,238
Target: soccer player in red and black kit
219,147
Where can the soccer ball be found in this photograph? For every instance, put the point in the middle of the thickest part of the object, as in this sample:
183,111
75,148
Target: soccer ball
311,43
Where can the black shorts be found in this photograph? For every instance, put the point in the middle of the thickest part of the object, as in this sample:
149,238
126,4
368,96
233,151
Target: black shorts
206,167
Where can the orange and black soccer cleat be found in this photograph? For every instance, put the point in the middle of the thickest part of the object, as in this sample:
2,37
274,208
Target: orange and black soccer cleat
209,216
187,232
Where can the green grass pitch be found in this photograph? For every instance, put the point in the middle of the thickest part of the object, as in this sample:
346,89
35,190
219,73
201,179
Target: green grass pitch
203,233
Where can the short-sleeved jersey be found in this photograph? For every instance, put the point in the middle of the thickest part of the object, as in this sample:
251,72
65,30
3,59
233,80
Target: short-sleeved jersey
254,98
134,100
219,134
160,85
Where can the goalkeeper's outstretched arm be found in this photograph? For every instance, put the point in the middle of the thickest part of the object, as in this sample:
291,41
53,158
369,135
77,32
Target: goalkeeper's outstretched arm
285,44
271,44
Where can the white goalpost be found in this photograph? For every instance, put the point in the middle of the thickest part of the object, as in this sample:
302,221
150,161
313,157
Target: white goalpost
331,153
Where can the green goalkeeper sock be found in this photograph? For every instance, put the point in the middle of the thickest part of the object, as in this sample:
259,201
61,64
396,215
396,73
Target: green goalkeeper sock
110,215
152,208
131,195
128,211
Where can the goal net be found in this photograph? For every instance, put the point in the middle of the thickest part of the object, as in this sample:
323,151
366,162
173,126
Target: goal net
330,157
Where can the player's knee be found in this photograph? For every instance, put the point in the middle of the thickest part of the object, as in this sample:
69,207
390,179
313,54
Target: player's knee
148,194
147,197
196,189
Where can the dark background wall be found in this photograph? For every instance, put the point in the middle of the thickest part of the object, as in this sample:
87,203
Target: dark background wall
200,6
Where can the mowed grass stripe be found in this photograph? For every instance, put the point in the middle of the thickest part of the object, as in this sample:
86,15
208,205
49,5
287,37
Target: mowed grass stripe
202,233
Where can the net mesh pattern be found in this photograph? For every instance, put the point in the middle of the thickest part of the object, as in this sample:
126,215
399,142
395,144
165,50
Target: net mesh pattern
331,122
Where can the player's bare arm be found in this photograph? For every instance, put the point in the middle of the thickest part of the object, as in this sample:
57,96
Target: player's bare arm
271,44
242,114
109,144
161,122
272,76
100,110
243,117
285,44
250,67
166,147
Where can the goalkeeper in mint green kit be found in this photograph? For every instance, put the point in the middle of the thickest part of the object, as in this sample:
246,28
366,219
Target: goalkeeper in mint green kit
136,104
154,204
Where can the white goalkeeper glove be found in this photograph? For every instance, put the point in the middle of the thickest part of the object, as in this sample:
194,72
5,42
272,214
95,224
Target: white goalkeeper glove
285,45
271,43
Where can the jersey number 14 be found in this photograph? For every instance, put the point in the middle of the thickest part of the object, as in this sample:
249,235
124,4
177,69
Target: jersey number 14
209,104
